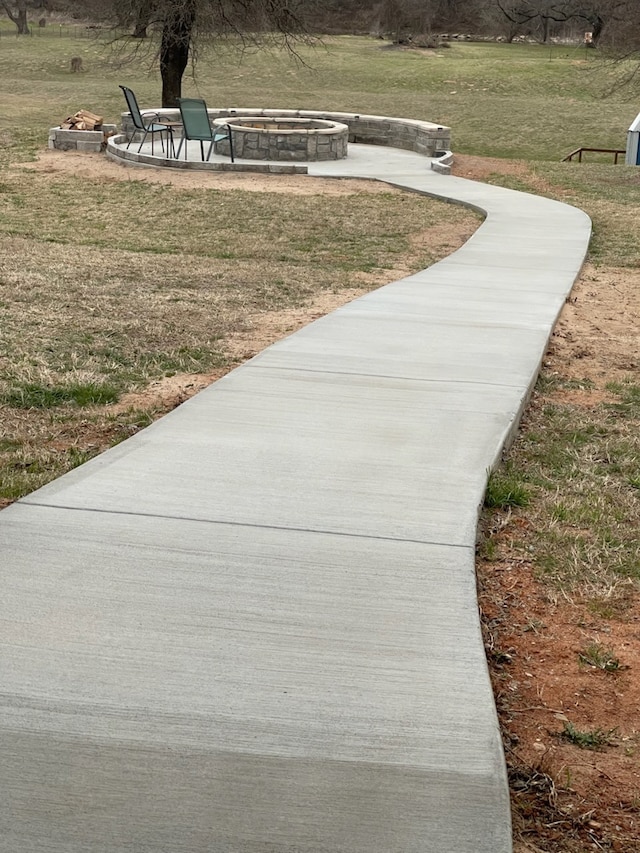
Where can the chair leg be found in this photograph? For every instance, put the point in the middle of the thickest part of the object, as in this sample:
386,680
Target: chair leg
202,151
146,133
131,138
217,139
153,133
171,148
230,144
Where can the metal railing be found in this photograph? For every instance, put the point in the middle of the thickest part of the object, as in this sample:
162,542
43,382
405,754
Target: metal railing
579,151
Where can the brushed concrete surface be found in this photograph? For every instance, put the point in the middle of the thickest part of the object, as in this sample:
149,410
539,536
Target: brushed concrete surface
253,628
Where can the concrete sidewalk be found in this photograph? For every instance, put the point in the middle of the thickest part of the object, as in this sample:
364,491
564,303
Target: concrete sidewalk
253,627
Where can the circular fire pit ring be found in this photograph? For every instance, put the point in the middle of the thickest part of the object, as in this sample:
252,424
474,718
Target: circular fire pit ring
263,138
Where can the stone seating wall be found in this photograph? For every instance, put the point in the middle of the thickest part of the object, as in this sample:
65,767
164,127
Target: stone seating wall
424,137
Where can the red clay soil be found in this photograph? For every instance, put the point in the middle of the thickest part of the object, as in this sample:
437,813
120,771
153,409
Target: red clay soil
566,797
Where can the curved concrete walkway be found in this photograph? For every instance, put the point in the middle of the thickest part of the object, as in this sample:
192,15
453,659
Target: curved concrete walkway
252,627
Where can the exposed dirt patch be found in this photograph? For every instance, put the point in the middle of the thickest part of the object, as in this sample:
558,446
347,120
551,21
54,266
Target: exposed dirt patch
598,334
165,394
98,168
543,687
567,797
482,168
418,50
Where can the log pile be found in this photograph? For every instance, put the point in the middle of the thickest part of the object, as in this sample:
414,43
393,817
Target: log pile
82,120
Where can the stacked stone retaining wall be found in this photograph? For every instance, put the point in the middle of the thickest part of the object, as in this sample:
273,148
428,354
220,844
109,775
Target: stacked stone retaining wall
81,140
423,137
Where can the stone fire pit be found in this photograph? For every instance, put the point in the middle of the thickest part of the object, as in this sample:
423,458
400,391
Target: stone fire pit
265,138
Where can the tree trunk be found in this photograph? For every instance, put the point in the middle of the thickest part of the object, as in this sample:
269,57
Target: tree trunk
597,25
142,19
19,16
545,29
22,23
177,31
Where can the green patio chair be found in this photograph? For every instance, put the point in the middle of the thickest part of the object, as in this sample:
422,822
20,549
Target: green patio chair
196,126
149,127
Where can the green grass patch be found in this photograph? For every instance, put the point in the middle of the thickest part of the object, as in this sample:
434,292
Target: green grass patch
599,657
581,467
31,395
629,398
505,489
594,739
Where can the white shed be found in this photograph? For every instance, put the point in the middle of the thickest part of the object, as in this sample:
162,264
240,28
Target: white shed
633,143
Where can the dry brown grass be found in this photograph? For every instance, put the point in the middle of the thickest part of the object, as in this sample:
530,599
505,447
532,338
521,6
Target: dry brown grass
145,281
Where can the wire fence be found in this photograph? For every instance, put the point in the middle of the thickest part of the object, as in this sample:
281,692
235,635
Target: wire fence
63,31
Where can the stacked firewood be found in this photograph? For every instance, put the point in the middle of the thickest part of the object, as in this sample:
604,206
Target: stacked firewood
82,120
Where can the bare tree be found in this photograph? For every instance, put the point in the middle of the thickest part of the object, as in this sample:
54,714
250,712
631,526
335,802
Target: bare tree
620,42
144,16
178,22
17,12
184,26
394,17
402,19
534,16
509,18
609,16
540,18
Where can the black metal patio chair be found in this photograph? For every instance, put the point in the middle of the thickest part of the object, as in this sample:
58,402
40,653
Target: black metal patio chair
196,126
149,127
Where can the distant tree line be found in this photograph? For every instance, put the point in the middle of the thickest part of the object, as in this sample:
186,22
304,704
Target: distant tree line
183,25
537,19
614,20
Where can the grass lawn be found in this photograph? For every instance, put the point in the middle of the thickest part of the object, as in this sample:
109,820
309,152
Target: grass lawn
107,286
524,101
